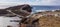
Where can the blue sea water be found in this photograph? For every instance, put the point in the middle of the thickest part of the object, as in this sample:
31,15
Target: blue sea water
45,8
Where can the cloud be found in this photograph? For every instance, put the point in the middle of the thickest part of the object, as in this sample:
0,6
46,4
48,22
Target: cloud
6,3
50,2
32,2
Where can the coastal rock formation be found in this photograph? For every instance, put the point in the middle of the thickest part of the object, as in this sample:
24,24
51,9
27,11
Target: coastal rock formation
10,14
42,19
23,10
48,18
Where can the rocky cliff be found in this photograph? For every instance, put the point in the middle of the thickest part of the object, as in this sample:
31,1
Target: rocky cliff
23,10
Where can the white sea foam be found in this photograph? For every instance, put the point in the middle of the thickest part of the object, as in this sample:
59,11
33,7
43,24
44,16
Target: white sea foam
46,10
41,10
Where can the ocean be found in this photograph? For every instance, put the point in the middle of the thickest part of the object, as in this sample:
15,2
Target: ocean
34,8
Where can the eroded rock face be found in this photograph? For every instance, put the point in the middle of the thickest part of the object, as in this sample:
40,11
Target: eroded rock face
27,9
30,21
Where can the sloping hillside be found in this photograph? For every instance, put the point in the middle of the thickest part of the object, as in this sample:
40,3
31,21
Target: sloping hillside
49,21
48,18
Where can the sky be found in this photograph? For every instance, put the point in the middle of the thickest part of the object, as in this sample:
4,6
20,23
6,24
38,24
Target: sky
7,3
31,2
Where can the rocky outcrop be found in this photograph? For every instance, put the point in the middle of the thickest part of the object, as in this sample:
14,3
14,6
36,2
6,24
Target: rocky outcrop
23,10
48,18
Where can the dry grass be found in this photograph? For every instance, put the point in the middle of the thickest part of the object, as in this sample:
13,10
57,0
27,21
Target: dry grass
49,21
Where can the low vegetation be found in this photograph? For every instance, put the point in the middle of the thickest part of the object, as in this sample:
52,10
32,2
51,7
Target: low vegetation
49,21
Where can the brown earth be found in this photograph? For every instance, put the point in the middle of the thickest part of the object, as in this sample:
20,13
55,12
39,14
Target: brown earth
49,21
